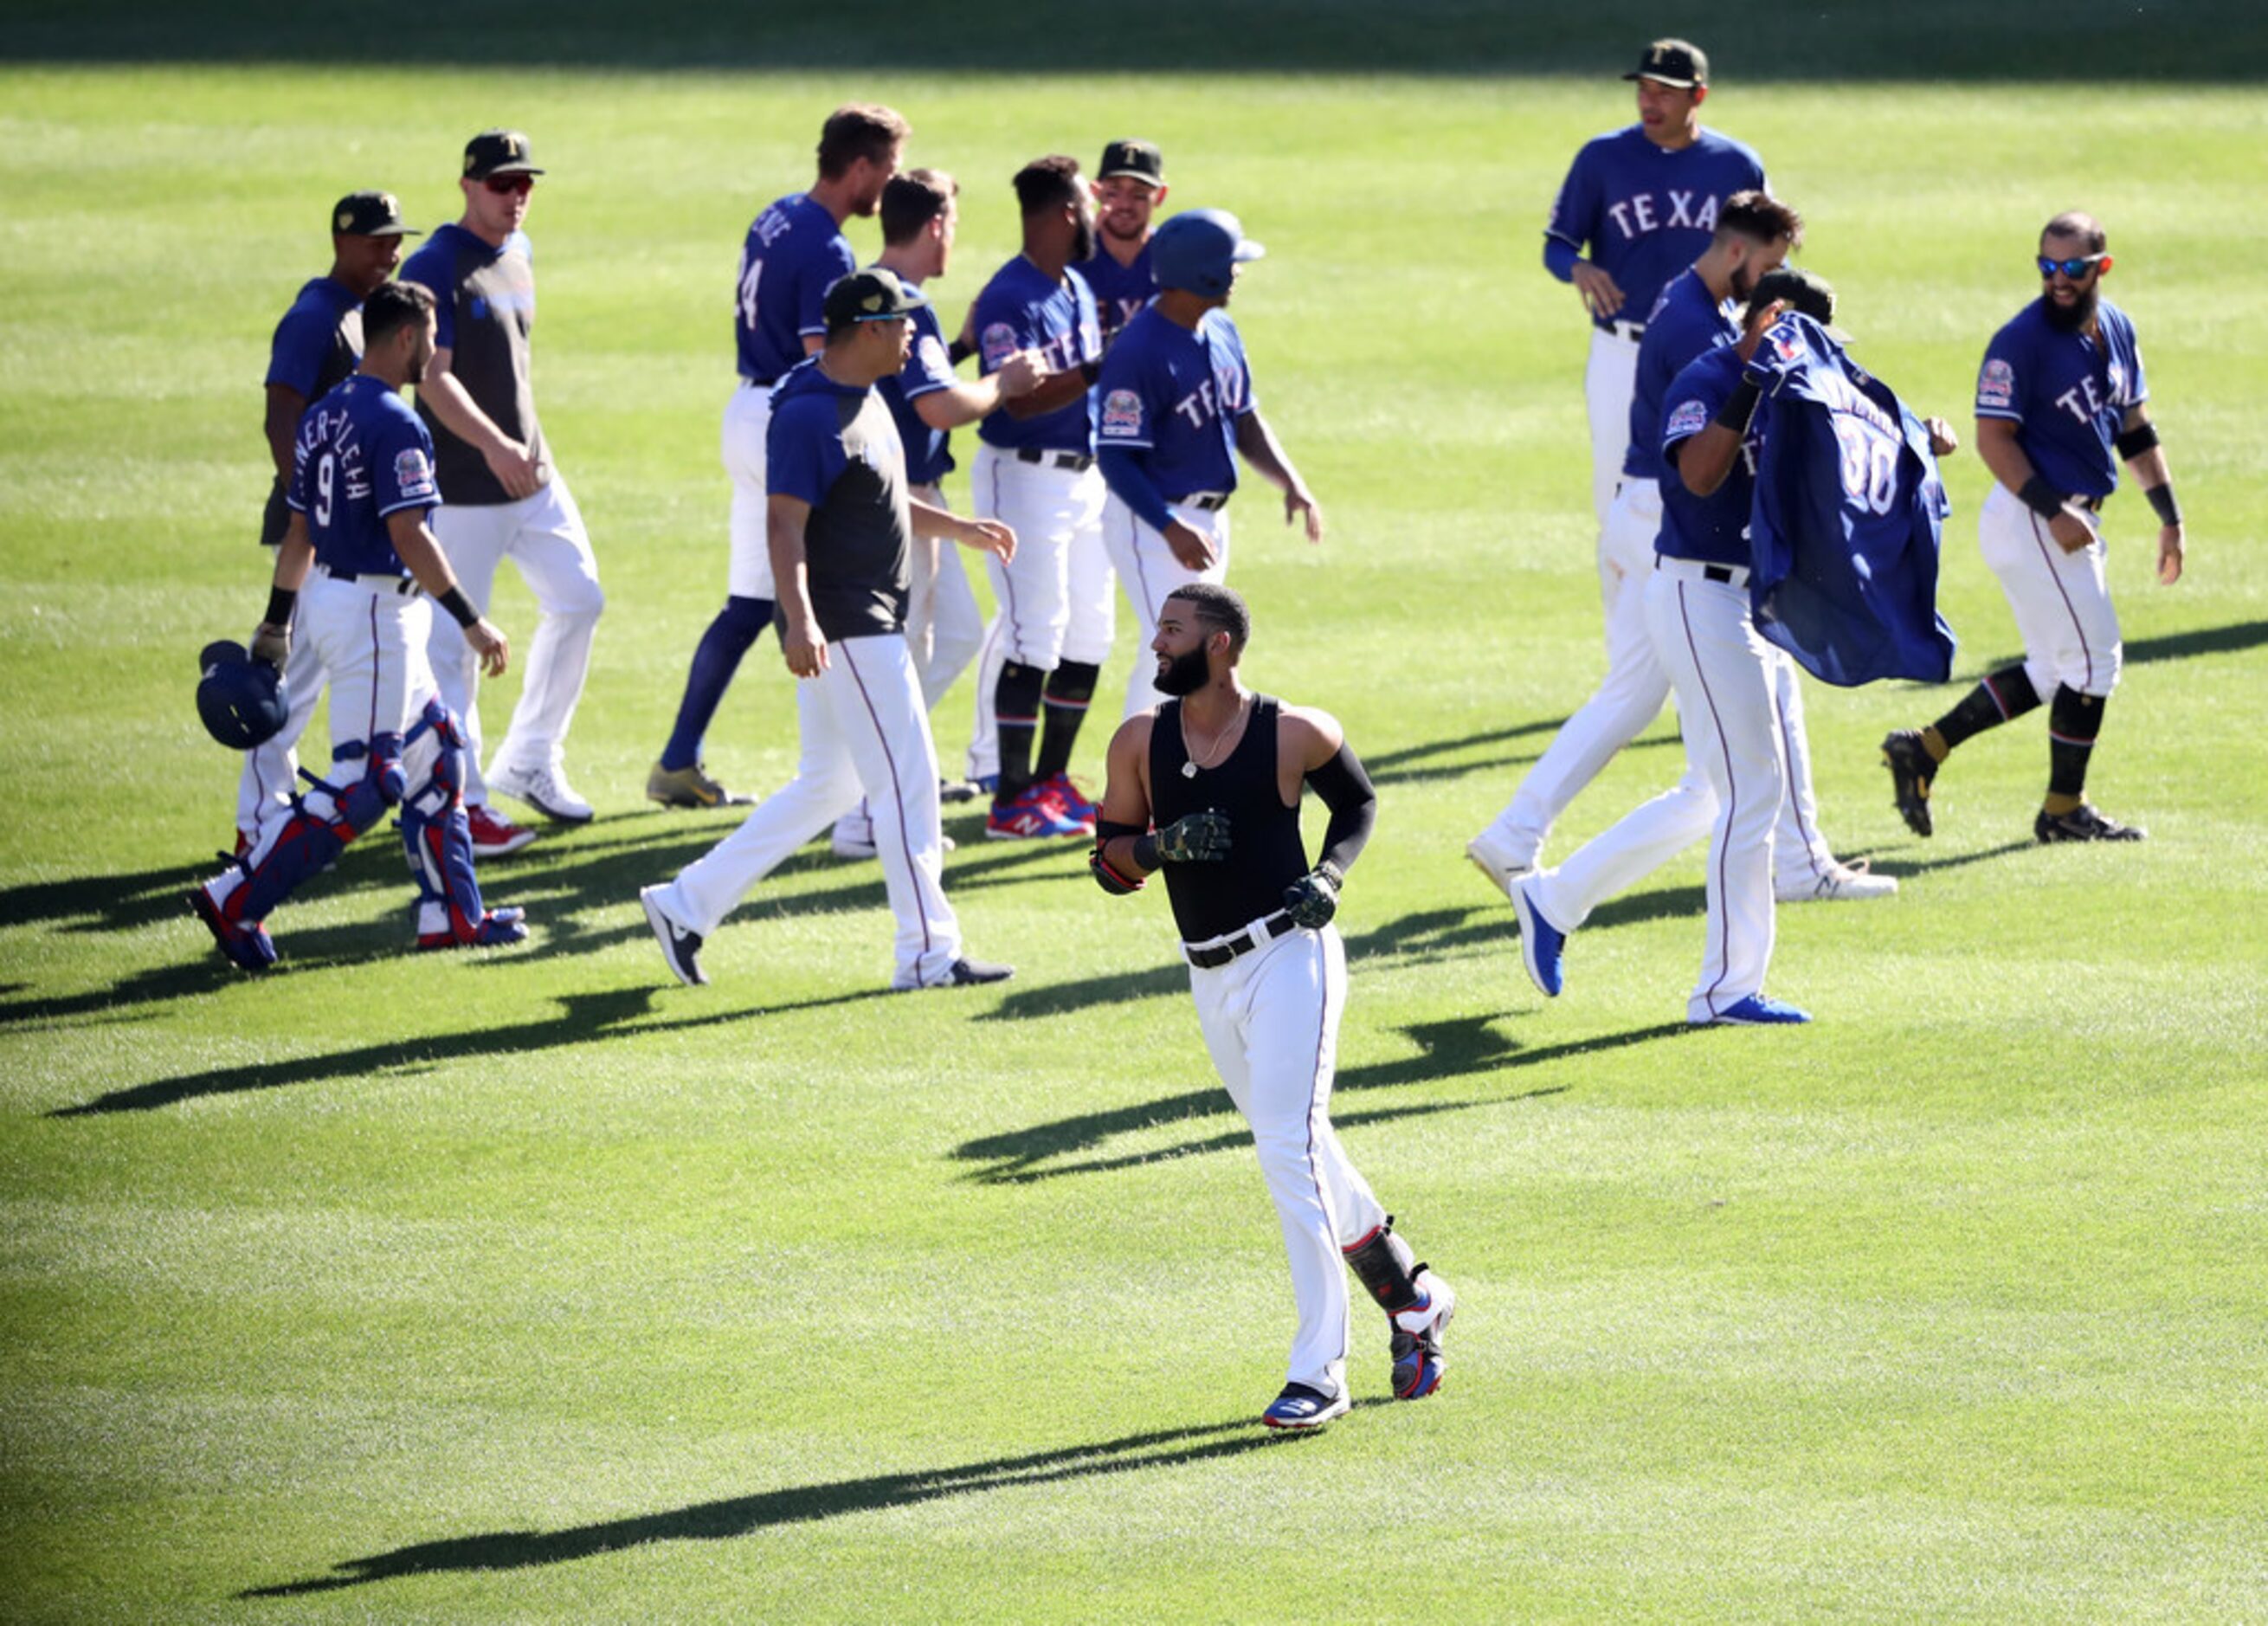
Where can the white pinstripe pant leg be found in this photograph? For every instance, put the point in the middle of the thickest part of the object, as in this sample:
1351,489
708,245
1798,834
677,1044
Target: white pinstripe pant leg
271,777
1609,379
1721,668
1271,1020
2061,600
1150,573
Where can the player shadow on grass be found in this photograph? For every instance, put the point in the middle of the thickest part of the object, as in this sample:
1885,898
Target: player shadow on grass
1442,759
1461,1048
795,1505
585,1017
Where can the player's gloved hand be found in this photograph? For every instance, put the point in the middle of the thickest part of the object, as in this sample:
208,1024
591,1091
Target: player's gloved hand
1313,899
272,644
1193,839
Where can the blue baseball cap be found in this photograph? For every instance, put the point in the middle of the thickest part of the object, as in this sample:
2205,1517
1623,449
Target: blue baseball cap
1198,250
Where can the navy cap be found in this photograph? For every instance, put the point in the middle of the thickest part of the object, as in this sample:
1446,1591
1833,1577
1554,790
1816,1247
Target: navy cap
370,214
1678,63
499,152
1138,159
870,295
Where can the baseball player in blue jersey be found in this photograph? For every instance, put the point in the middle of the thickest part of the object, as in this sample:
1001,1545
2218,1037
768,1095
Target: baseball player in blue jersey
361,487
944,627
1755,233
1207,791
1644,201
1035,470
1177,405
2061,401
316,345
841,525
794,251
503,497
1724,675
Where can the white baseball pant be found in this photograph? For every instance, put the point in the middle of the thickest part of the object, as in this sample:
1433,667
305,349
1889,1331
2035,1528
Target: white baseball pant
1609,379
543,535
1721,669
2061,600
271,777
747,416
864,731
1054,597
1270,1019
1147,569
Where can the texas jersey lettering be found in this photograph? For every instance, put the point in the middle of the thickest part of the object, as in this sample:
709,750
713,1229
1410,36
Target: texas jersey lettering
793,251
2068,397
1646,212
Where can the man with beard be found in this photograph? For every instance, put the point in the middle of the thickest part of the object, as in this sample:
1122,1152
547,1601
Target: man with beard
1755,233
1177,407
1036,472
1128,189
1207,788
2060,402
794,250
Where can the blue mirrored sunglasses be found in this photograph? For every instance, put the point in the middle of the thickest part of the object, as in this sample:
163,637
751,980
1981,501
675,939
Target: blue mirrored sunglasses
2072,268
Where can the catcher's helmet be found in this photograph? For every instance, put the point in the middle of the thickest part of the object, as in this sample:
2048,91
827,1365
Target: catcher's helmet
240,699
1198,250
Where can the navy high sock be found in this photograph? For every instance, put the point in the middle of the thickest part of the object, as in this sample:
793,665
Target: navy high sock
730,636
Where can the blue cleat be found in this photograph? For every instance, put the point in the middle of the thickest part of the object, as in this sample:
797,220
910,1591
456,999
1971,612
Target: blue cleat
1540,942
1299,1407
1756,1011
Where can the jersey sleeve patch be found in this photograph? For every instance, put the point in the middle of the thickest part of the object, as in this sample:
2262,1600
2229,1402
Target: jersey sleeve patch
1996,385
413,475
1687,419
998,342
1121,415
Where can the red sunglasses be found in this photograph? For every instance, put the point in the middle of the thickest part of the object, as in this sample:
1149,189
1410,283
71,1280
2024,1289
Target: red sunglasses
504,186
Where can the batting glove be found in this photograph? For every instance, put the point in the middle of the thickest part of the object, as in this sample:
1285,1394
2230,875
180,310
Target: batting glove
1193,839
272,643
1313,899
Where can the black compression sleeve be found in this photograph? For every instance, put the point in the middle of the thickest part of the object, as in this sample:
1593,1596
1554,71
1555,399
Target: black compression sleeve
1345,788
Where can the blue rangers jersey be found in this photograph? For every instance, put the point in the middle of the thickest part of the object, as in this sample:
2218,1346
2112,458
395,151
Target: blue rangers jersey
1171,397
1844,535
1020,308
315,347
795,249
1713,530
2066,393
1685,321
928,369
1120,291
361,455
1645,211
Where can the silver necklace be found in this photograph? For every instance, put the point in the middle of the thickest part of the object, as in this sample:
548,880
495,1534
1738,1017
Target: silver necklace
1191,765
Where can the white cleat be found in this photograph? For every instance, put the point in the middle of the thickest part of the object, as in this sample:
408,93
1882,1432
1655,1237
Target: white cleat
1500,863
1839,882
545,789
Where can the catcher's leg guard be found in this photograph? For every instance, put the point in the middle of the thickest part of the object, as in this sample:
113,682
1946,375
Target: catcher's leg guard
1417,1302
440,845
311,839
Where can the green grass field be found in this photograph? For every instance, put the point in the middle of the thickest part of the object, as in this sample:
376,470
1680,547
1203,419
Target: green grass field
528,1285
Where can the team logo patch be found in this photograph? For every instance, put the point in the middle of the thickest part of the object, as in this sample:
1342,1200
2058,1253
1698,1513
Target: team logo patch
413,476
932,353
1787,341
1690,418
999,344
1996,385
1122,413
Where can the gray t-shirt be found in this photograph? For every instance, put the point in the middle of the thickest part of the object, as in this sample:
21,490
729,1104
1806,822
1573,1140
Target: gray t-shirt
837,448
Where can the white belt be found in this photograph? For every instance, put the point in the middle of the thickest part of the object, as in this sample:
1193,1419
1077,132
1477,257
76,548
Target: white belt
1701,570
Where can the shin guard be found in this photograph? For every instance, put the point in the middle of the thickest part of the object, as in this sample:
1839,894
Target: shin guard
439,840
318,829
1388,1267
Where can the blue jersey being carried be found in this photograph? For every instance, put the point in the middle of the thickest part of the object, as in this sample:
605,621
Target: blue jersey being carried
1685,321
1120,291
1713,530
2067,394
795,249
928,369
360,455
1022,308
1844,535
1170,399
1645,211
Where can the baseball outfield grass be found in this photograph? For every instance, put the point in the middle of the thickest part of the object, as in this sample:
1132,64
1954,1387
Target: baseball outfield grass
529,1285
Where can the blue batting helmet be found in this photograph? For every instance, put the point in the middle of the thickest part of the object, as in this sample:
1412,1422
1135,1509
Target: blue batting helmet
240,699
1198,250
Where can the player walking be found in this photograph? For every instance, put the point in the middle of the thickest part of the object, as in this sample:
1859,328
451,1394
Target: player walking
1034,472
1755,233
1207,788
362,486
2060,402
1177,406
795,250
316,345
504,499
1644,201
842,525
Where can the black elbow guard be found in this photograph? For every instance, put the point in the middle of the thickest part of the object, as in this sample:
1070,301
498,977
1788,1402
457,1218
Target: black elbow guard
2137,440
1109,878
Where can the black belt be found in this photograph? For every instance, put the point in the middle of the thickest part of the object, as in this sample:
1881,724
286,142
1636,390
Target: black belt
2093,505
1206,503
1708,573
1077,462
1244,942
376,578
758,383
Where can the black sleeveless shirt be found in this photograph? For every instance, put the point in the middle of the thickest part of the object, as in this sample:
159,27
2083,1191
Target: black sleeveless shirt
1265,852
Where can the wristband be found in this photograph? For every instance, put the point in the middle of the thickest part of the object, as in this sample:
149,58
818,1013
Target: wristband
280,601
958,352
1740,406
458,605
2041,498
2162,499
1090,371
